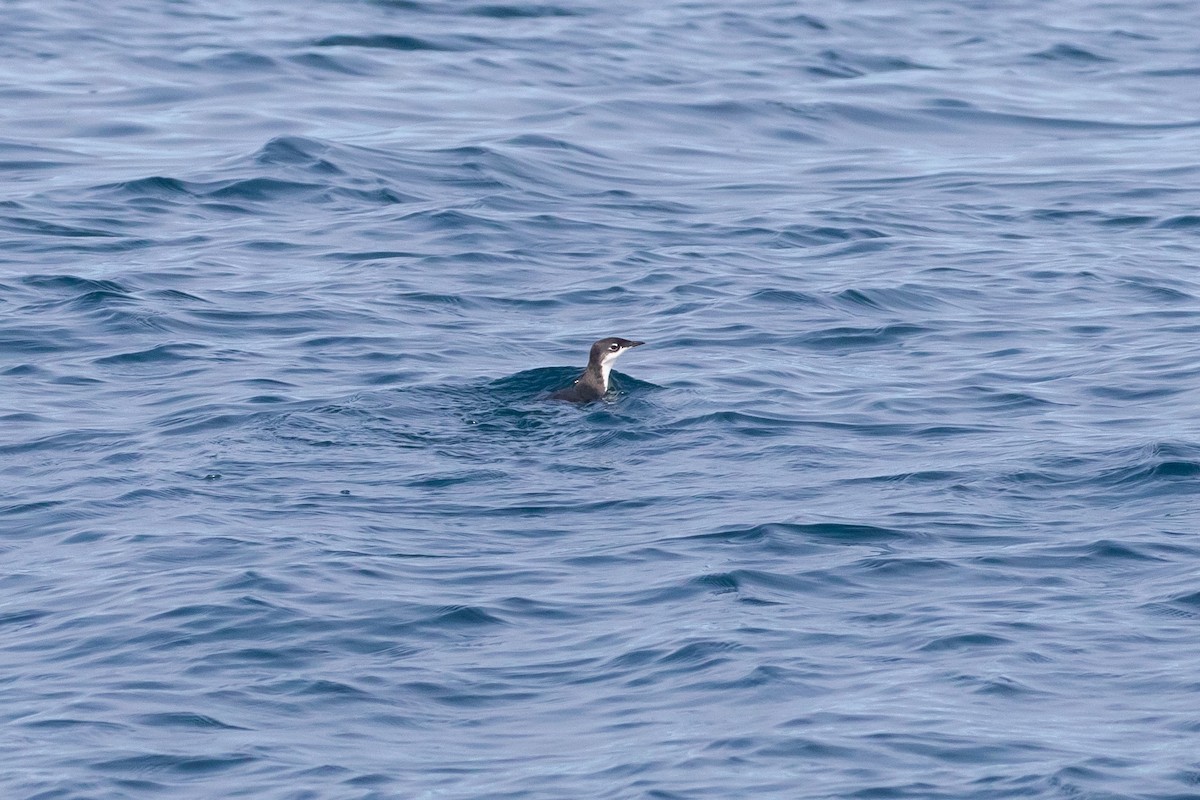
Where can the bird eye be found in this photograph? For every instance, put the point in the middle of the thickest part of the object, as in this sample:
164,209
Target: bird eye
614,347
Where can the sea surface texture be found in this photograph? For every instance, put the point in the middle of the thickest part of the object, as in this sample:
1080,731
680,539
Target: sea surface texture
901,499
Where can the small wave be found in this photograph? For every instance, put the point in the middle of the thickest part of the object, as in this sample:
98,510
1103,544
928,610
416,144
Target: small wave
1070,53
297,150
1162,468
890,298
520,11
402,43
75,284
856,338
165,763
838,532
1182,222
261,189
455,617
154,187
186,721
29,225
964,641
336,64
165,353
847,64
240,62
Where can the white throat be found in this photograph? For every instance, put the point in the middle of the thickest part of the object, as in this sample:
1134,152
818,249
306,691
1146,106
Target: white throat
606,363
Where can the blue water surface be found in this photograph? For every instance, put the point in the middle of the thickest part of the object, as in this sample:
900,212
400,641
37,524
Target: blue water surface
899,500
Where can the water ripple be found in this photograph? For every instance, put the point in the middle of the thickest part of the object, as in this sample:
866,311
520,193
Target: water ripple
899,496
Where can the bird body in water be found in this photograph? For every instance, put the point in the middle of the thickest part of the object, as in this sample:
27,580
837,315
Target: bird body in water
593,383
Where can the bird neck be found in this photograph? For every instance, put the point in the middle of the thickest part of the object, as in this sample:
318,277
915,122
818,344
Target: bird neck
598,373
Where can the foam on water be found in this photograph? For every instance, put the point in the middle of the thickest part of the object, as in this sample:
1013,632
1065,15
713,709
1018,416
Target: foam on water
897,501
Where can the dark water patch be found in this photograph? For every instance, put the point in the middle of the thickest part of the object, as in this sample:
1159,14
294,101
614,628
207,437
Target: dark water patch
263,189
828,532
488,696
1161,462
701,653
219,318
520,11
21,417
889,298
1070,53
1159,468
933,477
384,197
791,236
77,725
26,165
1184,606
1191,599
758,586
888,430
464,478
1004,687
156,187
1129,394
1127,221
298,151
40,339
25,370
1156,290
1181,222
1104,554
1173,72
402,43
370,255
20,619
964,641
350,343
1030,123
807,748
402,5
185,721
856,338
82,440
170,764
460,618
339,64
17,509
553,143
113,130
847,64
99,299
740,425
785,298
166,353
1107,551
238,62
320,690
27,149
28,225
74,285
907,567
993,400
462,227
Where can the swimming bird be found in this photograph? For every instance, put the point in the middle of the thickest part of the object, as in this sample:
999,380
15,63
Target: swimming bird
593,383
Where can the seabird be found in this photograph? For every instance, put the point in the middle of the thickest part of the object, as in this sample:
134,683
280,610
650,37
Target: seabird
593,383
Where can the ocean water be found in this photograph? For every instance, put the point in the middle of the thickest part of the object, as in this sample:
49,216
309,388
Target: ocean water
900,500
